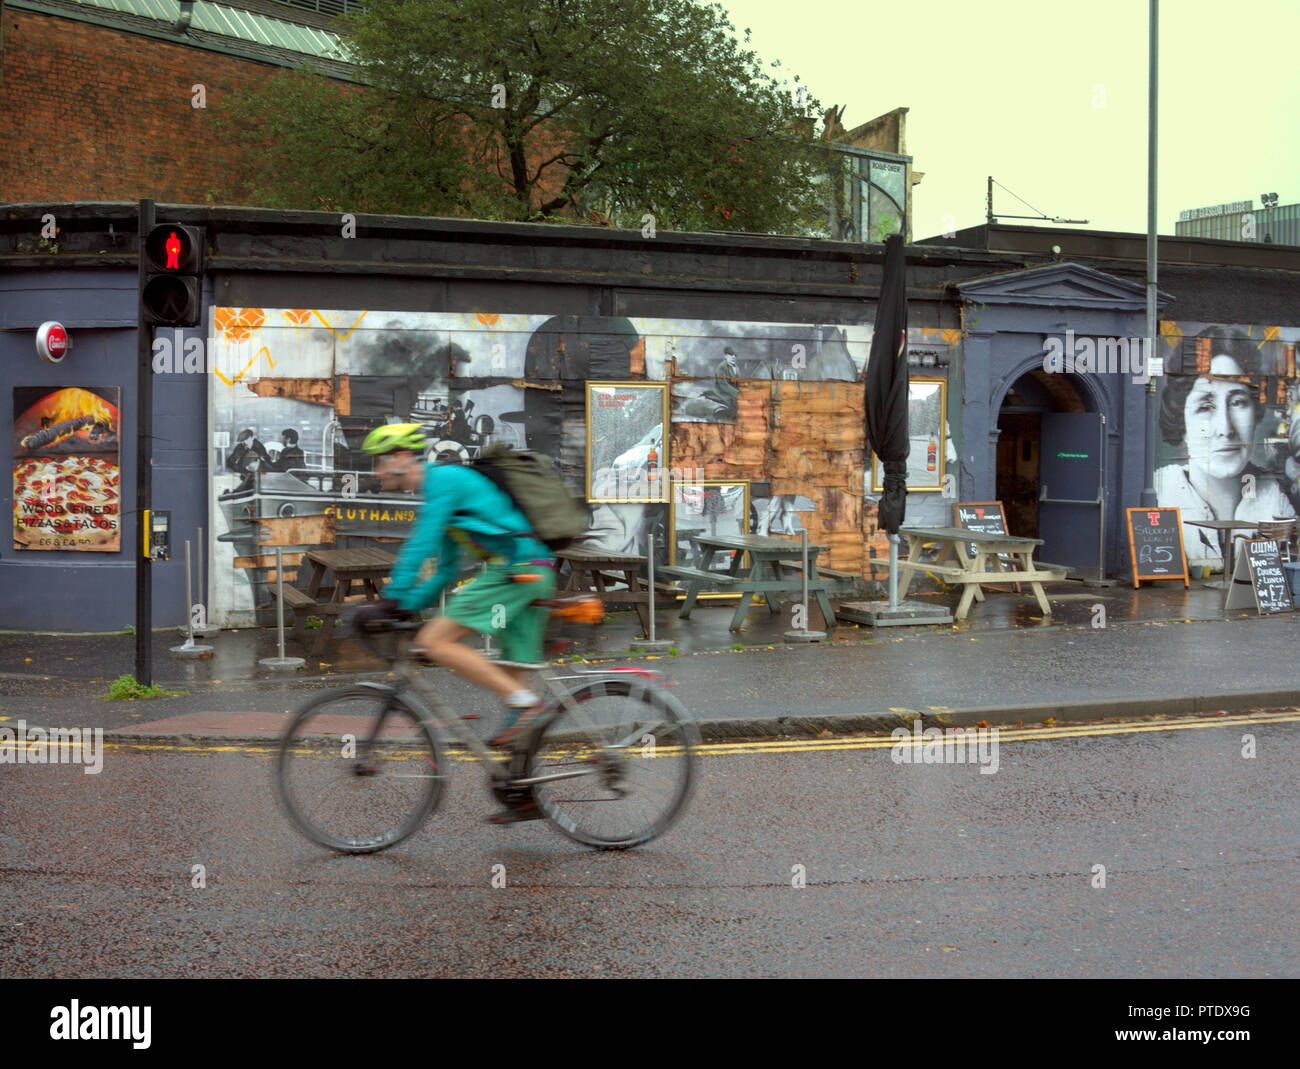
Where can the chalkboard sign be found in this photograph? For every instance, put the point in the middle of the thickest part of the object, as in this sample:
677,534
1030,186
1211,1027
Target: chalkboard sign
1155,541
984,516
1259,566
988,518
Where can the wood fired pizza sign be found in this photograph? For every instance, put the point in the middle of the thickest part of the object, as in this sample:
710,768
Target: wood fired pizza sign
67,475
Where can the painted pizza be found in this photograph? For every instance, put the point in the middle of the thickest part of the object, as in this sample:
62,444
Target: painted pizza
71,502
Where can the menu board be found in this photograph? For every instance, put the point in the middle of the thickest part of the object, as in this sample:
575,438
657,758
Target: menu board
1155,542
988,518
1259,565
984,516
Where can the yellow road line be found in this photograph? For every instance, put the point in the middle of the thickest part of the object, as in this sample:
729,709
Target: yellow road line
723,749
1004,734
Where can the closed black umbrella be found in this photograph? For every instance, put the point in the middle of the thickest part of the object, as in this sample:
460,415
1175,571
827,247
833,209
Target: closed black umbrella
886,387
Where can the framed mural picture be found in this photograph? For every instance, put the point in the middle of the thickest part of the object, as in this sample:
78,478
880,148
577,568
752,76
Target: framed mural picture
927,424
627,450
707,507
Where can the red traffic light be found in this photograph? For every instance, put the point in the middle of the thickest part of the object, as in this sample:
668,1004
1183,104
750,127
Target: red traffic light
174,248
171,282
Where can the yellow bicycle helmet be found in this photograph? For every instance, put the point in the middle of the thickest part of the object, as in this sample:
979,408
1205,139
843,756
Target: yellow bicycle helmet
394,436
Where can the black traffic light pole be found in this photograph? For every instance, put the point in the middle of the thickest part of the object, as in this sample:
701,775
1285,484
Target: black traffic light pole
169,291
143,465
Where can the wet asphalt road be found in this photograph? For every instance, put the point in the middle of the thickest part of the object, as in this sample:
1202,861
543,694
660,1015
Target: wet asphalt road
911,870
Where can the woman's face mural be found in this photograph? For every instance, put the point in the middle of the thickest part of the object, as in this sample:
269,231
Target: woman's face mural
1220,419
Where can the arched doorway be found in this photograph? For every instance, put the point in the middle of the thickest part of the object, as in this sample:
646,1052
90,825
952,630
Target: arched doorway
1049,467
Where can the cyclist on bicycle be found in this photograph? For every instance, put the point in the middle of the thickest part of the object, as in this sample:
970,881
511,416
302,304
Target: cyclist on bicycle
465,509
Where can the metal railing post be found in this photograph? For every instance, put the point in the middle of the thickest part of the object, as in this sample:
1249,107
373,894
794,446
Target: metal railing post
189,648
803,634
650,643
281,661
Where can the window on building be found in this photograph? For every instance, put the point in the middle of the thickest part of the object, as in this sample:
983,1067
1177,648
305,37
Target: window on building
872,196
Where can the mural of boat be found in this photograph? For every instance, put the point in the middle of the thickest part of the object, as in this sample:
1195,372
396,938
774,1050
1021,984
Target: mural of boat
360,508
303,492
306,492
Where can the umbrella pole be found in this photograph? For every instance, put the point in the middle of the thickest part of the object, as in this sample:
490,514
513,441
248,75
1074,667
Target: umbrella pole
893,571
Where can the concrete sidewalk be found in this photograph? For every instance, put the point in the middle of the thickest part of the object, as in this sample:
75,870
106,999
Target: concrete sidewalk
1163,651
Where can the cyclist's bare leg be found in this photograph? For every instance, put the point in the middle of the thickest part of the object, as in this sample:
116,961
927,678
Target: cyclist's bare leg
440,639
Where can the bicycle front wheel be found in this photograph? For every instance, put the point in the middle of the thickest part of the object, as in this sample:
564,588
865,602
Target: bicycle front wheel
613,766
358,770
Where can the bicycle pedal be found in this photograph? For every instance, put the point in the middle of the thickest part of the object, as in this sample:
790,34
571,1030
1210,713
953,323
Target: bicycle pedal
512,815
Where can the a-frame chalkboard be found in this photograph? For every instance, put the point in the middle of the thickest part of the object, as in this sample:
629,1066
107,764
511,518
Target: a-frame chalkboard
1155,543
1259,571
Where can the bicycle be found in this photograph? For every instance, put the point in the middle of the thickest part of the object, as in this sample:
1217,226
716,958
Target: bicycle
603,738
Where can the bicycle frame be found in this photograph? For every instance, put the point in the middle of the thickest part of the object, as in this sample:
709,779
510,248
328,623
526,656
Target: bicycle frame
596,722
430,707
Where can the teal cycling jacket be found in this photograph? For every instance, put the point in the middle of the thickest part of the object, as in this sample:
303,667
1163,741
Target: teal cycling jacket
461,508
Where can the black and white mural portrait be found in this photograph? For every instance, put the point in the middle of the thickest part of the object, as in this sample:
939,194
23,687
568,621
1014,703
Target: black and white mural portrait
1228,443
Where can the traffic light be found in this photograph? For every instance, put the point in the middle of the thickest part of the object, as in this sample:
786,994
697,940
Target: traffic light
171,292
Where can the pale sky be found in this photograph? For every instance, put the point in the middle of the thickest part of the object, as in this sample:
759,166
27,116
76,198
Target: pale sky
1051,98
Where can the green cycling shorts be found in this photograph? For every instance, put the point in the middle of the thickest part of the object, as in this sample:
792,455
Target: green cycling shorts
495,603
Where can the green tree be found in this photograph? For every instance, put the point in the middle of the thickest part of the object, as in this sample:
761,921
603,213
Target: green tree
532,109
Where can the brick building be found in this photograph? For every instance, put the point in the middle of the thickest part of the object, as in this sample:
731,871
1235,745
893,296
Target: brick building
97,98
119,99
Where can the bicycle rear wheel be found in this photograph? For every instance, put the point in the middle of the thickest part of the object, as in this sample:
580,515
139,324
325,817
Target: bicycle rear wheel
358,770
614,765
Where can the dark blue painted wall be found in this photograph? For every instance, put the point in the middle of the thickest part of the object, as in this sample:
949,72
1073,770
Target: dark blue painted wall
63,590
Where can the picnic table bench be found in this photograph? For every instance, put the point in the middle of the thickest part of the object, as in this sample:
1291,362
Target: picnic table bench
594,569
842,580
757,566
955,563
365,568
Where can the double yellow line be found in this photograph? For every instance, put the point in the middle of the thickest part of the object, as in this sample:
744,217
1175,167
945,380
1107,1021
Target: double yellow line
1004,734
873,742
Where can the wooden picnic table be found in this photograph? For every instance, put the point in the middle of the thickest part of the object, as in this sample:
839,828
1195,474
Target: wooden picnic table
759,565
367,568
589,568
956,564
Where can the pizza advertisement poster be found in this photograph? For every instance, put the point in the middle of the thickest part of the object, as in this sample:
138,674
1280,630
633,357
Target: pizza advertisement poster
67,468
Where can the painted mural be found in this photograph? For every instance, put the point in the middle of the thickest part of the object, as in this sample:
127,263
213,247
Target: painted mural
293,393
717,356
1228,433
67,469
